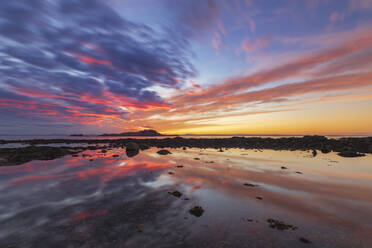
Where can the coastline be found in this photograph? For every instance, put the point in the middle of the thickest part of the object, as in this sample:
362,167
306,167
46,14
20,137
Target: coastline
345,147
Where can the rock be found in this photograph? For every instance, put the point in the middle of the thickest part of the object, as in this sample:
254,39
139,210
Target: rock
144,147
280,225
250,185
303,240
75,155
139,228
179,166
131,153
175,193
314,153
350,154
259,198
197,158
196,211
220,150
298,172
103,151
283,168
16,156
115,156
325,150
164,152
131,146
184,148
90,160
171,173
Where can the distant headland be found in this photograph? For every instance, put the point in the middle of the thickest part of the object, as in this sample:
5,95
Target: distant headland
148,133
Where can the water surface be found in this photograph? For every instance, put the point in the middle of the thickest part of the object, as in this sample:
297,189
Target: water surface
97,200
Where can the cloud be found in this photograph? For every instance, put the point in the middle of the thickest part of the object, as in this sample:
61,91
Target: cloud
341,68
250,47
80,61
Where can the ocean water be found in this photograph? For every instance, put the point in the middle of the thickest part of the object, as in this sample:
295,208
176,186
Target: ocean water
112,200
94,137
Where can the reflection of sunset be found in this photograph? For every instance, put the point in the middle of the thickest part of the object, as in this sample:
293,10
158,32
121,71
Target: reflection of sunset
322,195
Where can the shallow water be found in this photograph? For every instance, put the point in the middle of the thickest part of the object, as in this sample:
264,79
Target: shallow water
124,202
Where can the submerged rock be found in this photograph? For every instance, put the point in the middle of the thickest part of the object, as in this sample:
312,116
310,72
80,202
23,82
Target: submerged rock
280,225
196,211
164,152
175,193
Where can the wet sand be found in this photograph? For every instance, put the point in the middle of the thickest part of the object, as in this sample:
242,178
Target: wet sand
249,197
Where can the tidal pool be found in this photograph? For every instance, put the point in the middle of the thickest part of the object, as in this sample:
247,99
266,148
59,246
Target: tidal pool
98,200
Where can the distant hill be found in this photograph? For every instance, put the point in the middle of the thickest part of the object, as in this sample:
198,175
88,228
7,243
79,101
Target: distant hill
139,133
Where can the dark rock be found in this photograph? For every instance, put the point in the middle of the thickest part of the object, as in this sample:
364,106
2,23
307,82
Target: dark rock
131,146
179,166
197,158
16,156
325,150
283,168
220,150
139,228
144,147
259,198
314,153
175,193
131,153
171,173
250,185
115,156
280,225
183,148
196,211
164,152
103,151
298,172
303,240
350,154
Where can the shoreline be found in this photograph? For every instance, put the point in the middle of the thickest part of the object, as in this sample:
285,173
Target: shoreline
345,147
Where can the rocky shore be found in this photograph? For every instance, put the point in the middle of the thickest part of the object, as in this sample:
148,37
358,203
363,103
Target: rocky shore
346,147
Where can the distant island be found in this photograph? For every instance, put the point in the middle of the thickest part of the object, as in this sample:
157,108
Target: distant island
76,135
148,132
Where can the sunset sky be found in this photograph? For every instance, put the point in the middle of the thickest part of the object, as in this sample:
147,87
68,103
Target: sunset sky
186,66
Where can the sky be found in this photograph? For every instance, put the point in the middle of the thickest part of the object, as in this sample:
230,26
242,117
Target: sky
186,66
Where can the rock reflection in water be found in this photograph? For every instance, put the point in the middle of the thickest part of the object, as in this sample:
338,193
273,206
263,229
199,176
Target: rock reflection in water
123,201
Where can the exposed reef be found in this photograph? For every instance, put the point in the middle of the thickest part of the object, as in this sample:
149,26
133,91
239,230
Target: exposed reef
15,156
345,147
